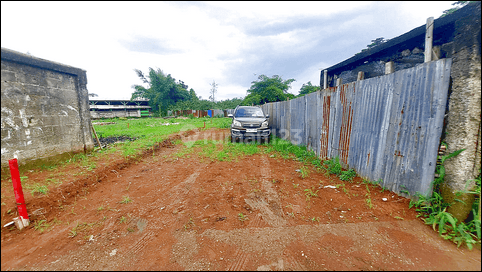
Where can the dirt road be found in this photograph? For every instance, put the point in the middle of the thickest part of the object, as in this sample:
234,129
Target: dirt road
188,212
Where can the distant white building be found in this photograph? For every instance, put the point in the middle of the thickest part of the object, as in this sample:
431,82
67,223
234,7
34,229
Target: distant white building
119,108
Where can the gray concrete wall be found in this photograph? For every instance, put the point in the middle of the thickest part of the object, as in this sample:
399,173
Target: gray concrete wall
463,118
45,110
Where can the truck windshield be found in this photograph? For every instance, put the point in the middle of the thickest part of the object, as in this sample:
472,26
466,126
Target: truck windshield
249,112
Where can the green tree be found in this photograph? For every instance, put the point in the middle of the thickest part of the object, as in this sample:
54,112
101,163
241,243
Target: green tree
308,88
376,42
163,91
458,5
193,95
228,103
267,89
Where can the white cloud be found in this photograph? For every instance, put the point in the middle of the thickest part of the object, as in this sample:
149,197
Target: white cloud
199,42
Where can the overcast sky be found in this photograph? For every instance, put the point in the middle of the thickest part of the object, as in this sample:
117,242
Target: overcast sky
198,42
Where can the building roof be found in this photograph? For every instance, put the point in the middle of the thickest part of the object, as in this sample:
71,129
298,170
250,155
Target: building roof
418,34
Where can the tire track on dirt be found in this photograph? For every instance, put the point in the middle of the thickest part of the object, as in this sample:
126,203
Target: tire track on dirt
141,243
175,194
241,260
292,263
174,197
256,222
270,208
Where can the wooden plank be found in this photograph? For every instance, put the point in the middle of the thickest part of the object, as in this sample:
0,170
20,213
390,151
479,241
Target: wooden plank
428,39
325,79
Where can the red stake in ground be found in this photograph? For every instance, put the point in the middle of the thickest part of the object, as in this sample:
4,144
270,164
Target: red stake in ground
17,188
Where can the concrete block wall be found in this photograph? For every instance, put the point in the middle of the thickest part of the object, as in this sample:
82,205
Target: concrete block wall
44,109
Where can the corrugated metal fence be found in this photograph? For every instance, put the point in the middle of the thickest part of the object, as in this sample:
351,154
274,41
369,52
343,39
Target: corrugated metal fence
386,128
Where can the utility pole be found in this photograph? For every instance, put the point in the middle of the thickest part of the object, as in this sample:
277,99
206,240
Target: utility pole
214,90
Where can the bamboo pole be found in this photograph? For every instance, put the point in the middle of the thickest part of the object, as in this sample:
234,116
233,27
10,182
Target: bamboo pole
95,134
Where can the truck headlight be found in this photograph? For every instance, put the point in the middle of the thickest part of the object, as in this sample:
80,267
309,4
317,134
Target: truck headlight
264,124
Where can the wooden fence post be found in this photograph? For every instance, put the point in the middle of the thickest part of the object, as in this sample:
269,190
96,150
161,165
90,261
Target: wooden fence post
389,67
325,80
436,53
428,39
338,82
361,76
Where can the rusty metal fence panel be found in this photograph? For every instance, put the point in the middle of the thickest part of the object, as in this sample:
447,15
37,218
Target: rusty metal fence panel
325,117
341,117
386,128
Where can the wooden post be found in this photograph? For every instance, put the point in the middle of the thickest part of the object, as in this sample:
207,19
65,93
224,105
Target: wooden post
436,53
361,76
389,67
325,80
95,133
338,81
321,79
428,39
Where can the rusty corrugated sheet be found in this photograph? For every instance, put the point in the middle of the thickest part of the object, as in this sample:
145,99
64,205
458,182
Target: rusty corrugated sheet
346,97
386,128
325,128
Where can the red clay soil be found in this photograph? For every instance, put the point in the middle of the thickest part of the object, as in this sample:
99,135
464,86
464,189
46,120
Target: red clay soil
191,213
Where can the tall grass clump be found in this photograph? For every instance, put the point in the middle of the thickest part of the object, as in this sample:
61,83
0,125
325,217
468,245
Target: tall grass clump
433,210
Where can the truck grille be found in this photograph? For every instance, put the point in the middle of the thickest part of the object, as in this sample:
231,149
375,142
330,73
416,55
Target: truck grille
251,125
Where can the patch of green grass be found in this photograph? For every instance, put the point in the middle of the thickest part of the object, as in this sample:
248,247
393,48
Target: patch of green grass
242,217
333,166
73,232
218,150
37,188
189,224
287,150
433,210
304,171
368,199
347,175
81,227
126,200
41,225
55,181
309,193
